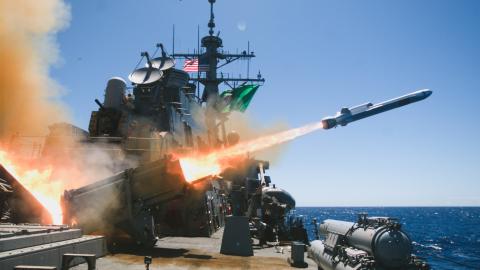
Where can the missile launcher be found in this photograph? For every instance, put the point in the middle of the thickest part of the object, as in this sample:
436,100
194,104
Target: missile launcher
145,202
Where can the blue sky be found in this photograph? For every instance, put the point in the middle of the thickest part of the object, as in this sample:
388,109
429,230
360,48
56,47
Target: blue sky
319,56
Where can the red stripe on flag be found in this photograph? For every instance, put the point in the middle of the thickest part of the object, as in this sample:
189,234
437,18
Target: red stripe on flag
191,65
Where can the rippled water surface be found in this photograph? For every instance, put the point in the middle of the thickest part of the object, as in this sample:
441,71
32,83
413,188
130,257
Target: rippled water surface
447,237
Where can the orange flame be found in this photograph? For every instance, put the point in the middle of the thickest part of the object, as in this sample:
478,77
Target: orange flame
196,167
38,183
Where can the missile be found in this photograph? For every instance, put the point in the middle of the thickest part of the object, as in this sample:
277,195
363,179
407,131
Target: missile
348,115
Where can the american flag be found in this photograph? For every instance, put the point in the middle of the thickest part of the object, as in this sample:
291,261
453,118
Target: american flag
191,65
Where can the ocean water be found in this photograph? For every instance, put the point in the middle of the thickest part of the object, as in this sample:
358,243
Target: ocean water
446,237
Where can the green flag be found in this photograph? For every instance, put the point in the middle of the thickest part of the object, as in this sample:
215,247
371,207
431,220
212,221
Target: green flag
239,98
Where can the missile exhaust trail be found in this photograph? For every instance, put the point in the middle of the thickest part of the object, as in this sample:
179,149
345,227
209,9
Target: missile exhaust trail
196,167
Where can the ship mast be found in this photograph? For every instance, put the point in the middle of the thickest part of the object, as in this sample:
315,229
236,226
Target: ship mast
215,60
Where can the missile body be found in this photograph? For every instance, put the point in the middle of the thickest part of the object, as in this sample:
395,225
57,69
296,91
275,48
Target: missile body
348,115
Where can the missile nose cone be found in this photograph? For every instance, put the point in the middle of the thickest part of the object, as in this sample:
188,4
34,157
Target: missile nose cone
422,94
427,93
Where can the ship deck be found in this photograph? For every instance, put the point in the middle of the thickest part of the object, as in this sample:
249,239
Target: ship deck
198,253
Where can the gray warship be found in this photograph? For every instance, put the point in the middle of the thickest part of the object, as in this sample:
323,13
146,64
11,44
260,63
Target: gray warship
156,216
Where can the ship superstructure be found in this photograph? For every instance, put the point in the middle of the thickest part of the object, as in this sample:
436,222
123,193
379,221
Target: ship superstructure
157,121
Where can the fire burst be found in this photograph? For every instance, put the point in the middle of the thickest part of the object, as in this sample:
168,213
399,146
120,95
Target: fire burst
215,162
38,183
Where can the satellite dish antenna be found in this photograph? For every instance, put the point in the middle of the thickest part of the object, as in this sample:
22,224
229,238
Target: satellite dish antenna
147,74
163,62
